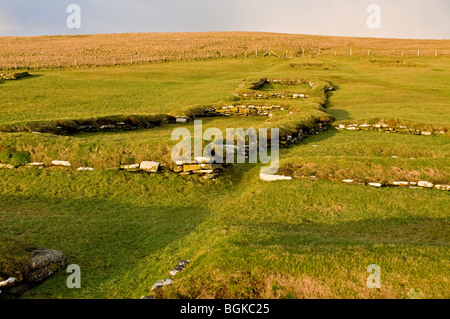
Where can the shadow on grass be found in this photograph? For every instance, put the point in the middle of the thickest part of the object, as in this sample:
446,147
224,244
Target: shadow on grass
105,237
416,231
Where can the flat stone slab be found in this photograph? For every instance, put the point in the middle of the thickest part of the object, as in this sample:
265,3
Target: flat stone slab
8,282
182,119
44,263
375,184
400,183
35,164
425,184
161,283
152,167
273,178
61,163
179,267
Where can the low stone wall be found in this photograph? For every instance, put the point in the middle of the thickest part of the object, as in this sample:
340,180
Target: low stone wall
252,90
290,82
201,166
241,110
418,184
301,133
259,95
383,127
376,184
101,124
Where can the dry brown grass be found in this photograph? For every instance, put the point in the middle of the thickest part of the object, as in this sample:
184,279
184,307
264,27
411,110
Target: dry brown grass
247,285
105,49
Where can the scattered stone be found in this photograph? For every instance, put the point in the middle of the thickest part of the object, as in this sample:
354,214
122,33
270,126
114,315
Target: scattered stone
182,119
212,166
130,168
35,164
272,178
8,166
180,267
210,176
375,184
147,297
202,160
44,263
161,283
425,184
8,282
61,163
85,169
426,133
178,169
191,168
401,183
348,181
151,167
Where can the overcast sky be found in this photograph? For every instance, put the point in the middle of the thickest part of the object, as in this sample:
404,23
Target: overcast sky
427,19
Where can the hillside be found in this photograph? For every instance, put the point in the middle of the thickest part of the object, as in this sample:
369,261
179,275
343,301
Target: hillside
108,49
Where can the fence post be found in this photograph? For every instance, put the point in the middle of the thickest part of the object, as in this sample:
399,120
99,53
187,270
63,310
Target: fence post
368,52
435,53
114,61
418,53
403,53
16,66
256,52
303,52
179,56
351,52
335,52
76,62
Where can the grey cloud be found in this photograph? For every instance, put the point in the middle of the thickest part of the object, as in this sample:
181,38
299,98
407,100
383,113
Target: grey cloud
400,18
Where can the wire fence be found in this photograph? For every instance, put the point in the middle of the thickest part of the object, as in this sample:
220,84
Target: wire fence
85,61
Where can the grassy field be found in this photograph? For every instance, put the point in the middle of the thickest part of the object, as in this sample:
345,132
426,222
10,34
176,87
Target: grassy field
245,238
107,49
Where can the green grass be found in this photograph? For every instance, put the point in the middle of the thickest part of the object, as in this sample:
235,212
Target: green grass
245,238
320,233
370,156
365,90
